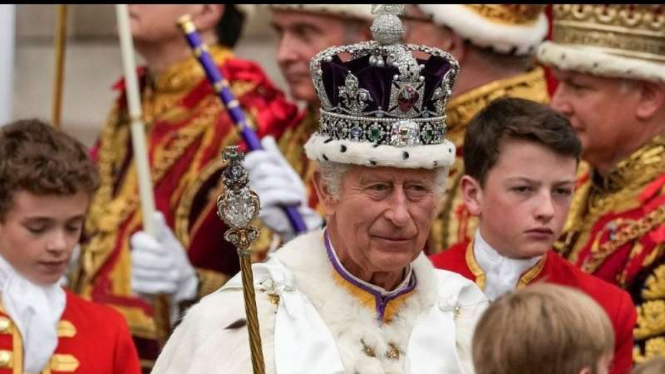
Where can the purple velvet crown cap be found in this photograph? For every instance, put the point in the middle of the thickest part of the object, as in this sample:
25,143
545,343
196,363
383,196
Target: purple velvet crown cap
378,80
380,105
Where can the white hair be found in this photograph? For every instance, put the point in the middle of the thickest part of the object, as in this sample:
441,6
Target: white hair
333,172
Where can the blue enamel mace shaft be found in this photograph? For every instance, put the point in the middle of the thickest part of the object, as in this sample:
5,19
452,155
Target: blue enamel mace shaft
221,88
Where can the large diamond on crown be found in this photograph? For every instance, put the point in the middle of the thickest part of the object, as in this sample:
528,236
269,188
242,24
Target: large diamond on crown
405,134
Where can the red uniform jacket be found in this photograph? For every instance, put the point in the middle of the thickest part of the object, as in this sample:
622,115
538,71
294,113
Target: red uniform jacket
93,339
554,269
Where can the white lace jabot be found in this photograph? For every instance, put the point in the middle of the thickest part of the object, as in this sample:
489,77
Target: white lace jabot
35,310
501,273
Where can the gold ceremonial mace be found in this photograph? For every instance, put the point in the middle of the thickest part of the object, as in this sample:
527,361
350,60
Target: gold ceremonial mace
238,206
59,67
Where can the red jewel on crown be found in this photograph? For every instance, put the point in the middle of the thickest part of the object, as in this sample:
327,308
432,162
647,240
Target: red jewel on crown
407,98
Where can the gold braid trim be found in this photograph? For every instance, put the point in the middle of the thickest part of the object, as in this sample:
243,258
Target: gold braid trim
197,176
652,348
631,231
474,267
210,281
575,212
292,142
532,273
654,286
618,192
508,14
109,213
182,229
650,319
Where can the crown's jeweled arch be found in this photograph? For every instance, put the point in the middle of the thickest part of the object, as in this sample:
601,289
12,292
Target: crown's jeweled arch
614,40
380,105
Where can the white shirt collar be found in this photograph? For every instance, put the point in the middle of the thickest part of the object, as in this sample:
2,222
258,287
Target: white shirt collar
501,273
35,310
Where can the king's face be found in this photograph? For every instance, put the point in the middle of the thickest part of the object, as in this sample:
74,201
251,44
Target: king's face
382,216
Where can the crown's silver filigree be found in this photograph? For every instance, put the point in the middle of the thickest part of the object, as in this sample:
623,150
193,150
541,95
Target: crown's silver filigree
238,206
354,98
388,97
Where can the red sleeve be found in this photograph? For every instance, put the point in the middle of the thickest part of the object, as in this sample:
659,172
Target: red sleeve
626,317
93,152
126,359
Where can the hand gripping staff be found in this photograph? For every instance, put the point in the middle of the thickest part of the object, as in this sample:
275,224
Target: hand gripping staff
238,206
147,198
221,88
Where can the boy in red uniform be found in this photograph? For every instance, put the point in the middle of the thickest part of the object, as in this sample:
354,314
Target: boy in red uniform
521,159
46,182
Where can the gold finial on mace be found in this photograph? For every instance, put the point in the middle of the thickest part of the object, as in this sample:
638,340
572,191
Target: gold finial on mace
238,206
59,66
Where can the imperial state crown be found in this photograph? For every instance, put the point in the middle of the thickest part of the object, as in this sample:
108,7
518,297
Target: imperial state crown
380,104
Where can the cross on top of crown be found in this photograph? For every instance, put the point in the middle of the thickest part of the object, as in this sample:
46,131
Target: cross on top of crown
395,9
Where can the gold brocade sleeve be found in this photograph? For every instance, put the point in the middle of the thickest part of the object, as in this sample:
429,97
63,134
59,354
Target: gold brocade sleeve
650,329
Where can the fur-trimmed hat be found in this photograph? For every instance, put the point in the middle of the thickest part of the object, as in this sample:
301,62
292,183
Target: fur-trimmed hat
506,28
611,40
382,106
360,11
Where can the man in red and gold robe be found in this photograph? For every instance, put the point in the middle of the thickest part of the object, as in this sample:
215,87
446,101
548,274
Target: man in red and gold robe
611,88
187,129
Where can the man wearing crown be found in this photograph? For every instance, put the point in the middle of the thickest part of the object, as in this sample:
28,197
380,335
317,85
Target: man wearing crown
359,296
282,174
612,89
494,44
187,128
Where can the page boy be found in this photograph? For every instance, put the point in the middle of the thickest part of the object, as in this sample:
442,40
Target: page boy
46,181
520,161
544,329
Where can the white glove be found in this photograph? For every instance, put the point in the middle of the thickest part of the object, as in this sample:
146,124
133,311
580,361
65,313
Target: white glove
277,185
161,265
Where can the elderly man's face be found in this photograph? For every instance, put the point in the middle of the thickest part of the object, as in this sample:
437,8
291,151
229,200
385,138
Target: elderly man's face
382,216
601,111
300,36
